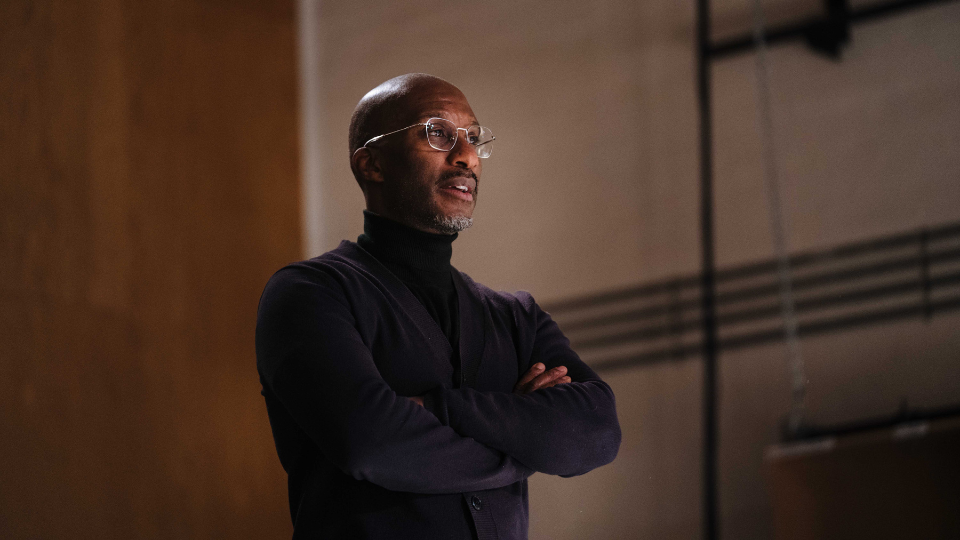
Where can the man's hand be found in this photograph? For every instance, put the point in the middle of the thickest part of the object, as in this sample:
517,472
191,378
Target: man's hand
536,378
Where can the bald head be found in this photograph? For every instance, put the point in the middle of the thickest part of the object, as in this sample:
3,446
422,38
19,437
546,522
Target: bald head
404,177
387,107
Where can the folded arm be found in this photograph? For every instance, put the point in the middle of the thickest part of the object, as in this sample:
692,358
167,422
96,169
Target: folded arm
313,360
567,429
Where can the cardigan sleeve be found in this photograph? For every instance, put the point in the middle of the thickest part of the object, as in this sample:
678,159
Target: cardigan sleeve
566,430
313,361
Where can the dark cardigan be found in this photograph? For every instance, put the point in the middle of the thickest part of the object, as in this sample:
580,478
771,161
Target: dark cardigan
341,341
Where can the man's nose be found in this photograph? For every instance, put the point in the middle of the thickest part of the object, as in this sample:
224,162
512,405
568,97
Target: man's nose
464,154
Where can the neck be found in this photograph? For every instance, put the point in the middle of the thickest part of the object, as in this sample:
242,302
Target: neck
396,243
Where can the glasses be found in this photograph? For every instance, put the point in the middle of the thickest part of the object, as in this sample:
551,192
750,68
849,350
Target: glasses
442,135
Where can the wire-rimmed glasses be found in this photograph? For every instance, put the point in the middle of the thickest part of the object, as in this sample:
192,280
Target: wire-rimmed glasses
442,135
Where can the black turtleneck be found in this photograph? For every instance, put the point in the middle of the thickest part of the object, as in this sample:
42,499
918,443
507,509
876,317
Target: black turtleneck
422,262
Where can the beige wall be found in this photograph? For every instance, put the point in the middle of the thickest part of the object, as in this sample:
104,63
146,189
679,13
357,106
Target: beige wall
148,188
867,148
593,184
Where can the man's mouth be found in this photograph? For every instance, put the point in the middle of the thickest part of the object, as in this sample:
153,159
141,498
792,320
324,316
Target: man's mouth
460,187
460,192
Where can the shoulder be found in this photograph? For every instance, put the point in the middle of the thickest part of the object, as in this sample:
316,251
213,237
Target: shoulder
341,272
335,265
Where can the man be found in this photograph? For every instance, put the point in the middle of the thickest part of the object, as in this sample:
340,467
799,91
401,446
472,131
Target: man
406,400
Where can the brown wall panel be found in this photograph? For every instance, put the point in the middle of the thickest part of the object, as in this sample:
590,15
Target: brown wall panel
891,483
148,188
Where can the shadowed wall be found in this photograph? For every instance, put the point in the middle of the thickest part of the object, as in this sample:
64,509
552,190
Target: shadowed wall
148,189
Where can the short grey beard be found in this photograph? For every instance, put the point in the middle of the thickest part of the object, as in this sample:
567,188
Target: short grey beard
451,224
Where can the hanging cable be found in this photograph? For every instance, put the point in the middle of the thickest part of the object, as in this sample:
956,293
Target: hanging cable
777,226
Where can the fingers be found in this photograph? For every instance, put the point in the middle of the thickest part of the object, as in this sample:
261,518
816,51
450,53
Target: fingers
547,379
562,380
536,378
534,370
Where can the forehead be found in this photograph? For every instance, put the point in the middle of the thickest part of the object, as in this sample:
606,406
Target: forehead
438,100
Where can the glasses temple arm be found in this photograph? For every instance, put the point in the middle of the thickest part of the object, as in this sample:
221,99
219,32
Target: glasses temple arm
378,137
485,142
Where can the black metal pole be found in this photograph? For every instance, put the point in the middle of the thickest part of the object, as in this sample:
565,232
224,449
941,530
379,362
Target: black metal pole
708,284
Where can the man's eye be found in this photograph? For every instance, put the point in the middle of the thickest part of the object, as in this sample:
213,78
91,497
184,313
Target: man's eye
473,135
440,133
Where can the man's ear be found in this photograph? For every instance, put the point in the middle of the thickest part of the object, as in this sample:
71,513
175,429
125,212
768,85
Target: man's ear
365,164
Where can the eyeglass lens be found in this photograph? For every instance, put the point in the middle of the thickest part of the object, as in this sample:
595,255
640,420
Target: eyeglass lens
442,135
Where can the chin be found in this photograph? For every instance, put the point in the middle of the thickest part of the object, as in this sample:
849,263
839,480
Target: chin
450,224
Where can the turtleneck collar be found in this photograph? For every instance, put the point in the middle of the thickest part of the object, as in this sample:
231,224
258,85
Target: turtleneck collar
393,242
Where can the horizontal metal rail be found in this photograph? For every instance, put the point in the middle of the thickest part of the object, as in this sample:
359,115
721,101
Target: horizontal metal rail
772,289
773,335
904,416
848,286
797,263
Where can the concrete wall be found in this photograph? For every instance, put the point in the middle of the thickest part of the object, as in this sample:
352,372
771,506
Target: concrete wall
148,189
593,184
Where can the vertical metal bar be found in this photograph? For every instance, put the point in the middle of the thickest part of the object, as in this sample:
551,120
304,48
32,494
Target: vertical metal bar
708,282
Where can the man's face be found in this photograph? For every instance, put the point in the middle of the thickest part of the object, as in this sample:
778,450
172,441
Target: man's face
421,183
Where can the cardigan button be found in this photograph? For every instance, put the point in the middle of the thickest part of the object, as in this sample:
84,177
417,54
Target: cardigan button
476,503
